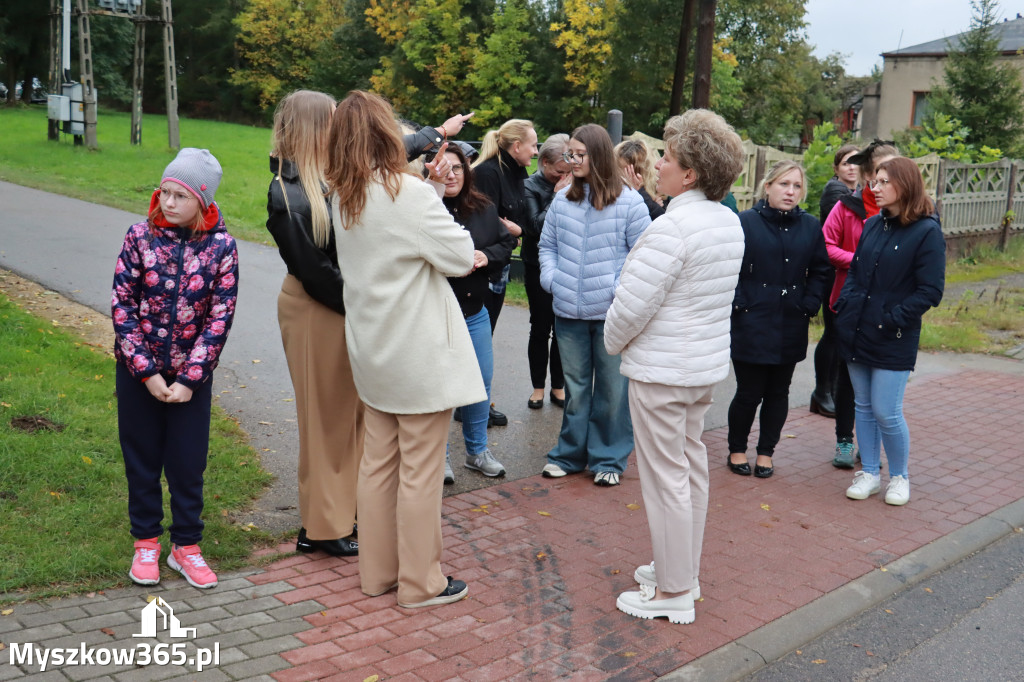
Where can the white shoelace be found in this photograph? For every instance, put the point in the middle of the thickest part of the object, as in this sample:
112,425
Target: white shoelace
197,560
147,556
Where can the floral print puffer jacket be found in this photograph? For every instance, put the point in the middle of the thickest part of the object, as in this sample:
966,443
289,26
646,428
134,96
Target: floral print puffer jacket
173,301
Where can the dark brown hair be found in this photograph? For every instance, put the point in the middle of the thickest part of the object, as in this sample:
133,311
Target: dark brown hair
469,200
911,197
841,154
604,179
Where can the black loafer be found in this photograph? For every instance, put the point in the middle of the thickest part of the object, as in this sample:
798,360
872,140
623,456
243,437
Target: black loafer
458,414
555,400
535,404
763,472
340,547
740,469
495,418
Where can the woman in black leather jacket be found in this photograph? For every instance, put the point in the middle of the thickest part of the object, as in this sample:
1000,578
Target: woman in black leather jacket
782,281
312,319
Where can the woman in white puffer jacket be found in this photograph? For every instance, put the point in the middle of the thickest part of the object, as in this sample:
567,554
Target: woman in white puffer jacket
670,321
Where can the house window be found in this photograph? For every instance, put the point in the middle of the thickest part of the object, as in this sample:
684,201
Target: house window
921,109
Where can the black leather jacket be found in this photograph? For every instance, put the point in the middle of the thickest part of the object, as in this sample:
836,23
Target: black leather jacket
291,226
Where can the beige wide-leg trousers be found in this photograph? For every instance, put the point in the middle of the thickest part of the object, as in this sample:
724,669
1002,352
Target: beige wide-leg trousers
673,463
401,478
329,412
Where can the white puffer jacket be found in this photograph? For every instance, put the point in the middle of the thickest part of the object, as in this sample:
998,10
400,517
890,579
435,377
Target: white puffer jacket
670,315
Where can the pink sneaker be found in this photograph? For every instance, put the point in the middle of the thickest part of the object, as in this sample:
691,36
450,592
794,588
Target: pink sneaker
190,563
145,567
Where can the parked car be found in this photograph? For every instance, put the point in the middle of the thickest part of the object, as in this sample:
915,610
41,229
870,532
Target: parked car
37,96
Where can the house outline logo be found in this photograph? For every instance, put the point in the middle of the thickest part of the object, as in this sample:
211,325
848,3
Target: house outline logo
170,622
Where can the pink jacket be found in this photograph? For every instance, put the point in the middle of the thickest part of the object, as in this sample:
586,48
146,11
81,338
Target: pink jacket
842,231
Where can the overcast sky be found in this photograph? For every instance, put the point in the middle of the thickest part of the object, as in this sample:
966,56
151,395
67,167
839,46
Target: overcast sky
863,29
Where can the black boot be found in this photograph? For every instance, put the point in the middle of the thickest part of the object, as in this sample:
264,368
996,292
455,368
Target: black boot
341,547
822,403
496,418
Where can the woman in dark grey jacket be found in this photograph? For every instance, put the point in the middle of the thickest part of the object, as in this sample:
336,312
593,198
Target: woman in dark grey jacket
782,281
898,272
553,174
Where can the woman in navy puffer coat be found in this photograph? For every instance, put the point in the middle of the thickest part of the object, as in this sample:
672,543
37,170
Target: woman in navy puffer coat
897,273
782,281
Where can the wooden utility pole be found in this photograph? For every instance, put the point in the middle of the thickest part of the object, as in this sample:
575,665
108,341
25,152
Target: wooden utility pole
705,41
682,55
170,76
53,85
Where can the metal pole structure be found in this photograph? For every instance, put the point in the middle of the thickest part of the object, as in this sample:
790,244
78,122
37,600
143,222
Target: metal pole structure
705,40
89,89
170,77
682,55
138,71
615,125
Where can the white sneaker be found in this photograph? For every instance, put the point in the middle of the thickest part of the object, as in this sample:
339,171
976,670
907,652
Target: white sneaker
897,493
606,478
645,575
642,605
864,486
553,471
449,475
485,464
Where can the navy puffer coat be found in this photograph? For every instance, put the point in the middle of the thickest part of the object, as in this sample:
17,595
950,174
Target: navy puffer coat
782,280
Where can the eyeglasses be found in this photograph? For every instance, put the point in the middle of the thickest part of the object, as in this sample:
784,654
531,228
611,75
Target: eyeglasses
458,168
573,157
179,197
879,183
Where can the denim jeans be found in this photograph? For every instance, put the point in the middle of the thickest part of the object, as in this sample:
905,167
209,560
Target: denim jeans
474,417
878,396
597,432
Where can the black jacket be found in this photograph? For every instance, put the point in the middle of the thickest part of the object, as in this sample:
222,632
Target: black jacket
782,281
834,189
502,182
653,207
489,236
538,192
291,226
897,273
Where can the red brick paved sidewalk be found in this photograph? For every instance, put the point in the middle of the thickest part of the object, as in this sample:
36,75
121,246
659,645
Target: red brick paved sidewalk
545,559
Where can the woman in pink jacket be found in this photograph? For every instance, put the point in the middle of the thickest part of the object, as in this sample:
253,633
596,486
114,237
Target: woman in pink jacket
842,231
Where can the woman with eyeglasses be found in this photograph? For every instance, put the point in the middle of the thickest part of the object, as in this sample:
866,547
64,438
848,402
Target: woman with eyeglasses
588,232
826,362
897,273
492,246
782,282
842,231
552,176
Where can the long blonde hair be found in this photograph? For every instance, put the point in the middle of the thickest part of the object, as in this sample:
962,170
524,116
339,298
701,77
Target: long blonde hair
365,145
511,131
301,125
777,171
635,153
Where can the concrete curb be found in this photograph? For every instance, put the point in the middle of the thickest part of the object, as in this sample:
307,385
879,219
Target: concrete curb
753,651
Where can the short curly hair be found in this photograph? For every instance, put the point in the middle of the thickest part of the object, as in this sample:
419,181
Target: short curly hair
702,141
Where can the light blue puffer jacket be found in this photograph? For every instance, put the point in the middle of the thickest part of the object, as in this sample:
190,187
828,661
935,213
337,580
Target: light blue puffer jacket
582,251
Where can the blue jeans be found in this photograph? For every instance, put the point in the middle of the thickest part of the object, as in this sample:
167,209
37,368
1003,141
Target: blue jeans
878,397
596,429
474,417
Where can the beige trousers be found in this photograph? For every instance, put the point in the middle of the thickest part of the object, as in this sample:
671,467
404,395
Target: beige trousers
401,478
329,412
673,463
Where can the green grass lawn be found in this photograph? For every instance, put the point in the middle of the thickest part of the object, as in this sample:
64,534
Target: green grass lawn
124,176
63,494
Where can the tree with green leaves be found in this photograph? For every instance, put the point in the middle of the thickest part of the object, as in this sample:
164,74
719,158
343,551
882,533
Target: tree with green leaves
982,92
503,74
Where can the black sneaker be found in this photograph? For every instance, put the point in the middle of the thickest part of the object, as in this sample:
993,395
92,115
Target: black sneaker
455,591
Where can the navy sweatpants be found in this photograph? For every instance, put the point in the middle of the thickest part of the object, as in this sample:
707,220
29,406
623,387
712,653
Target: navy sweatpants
172,438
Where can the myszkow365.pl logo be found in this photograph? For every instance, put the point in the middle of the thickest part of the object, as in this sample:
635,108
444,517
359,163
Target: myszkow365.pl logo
157,616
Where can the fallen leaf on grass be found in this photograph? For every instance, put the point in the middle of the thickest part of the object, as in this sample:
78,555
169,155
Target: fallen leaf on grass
5,404
633,506
544,513
86,459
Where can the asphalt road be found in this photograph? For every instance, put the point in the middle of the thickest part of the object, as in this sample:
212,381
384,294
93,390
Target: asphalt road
962,624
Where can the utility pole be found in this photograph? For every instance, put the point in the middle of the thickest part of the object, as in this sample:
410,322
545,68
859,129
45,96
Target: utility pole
682,55
56,78
138,71
88,87
170,77
705,41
